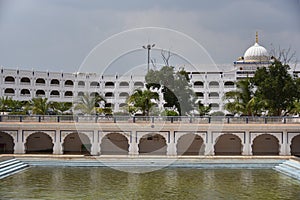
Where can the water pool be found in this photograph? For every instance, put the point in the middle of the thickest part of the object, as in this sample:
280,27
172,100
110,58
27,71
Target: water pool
168,183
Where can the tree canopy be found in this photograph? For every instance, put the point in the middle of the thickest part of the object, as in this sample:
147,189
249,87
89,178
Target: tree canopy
176,88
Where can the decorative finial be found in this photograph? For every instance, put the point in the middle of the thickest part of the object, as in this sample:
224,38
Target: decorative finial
256,37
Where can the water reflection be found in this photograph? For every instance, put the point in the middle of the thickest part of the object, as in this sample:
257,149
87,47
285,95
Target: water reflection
169,183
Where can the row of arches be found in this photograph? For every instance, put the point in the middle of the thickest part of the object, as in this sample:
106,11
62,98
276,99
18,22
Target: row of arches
210,95
53,82
213,84
38,93
150,144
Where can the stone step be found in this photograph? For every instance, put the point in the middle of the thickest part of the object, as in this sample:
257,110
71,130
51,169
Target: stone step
290,168
8,163
293,163
11,167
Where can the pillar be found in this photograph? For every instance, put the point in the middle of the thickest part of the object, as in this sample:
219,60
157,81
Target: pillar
19,144
247,150
95,148
133,144
57,147
209,145
171,144
284,147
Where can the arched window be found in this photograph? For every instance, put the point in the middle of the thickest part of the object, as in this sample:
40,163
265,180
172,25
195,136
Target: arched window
54,82
80,94
40,81
213,95
25,81
229,84
109,84
95,84
25,92
124,84
109,94
40,93
213,84
54,93
81,83
124,94
68,94
69,83
199,94
198,84
138,84
9,91
9,79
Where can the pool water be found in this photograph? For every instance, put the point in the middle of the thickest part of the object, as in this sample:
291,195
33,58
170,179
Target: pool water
168,183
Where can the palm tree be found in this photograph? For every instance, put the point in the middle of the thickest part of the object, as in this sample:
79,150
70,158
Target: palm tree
61,107
39,106
87,104
143,100
239,101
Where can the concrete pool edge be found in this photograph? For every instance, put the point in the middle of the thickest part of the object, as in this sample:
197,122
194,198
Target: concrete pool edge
154,161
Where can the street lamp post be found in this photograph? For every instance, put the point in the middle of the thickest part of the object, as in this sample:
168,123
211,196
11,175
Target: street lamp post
149,47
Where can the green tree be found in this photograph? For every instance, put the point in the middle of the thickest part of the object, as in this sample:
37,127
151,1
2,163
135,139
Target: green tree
176,88
240,100
88,104
276,87
143,100
7,104
39,106
61,107
203,110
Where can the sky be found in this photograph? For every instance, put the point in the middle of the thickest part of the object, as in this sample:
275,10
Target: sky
98,35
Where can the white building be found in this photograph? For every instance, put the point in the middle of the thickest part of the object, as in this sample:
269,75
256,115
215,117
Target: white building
209,86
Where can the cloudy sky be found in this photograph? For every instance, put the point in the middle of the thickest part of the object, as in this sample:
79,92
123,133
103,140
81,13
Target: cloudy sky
65,35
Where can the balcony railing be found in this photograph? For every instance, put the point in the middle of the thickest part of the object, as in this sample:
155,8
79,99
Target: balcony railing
150,119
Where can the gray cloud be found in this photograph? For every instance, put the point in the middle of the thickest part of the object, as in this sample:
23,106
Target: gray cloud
59,34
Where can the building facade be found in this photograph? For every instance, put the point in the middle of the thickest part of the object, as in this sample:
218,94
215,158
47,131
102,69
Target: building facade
209,86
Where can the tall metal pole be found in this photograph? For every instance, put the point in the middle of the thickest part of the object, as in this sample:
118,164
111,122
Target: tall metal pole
148,47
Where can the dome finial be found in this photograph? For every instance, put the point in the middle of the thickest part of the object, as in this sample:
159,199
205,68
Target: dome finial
256,37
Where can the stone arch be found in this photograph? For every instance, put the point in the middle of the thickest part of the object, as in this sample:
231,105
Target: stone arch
9,79
68,94
138,84
152,144
114,144
25,92
40,93
6,143
9,91
109,84
95,84
198,84
124,84
190,144
265,144
54,93
80,94
228,144
54,82
213,84
76,143
81,83
25,80
40,81
39,142
124,94
295,145
69,83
